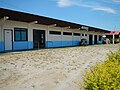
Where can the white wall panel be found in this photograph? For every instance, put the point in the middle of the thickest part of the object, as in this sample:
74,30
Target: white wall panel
76,38
54,37
11,24
67,38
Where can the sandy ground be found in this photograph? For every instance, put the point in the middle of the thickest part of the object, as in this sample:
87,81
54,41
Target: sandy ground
49,69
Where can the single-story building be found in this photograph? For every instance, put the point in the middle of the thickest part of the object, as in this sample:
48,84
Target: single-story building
114,36
22,31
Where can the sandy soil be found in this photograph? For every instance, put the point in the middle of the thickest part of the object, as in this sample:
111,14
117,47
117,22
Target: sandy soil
49,69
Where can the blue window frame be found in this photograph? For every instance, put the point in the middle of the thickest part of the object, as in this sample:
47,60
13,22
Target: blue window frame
20,34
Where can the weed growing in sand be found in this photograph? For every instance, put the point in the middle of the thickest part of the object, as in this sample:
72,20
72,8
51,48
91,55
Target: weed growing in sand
104,76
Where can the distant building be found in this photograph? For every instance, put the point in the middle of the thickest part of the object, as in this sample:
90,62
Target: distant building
23,31
114,36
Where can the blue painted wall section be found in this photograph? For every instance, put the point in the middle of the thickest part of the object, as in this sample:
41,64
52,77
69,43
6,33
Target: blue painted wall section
1,46
87,42
75,43
99,42
22,45
30,45
50,44
66,43
53,44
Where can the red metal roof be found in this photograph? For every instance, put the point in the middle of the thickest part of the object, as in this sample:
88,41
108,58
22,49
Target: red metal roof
114,32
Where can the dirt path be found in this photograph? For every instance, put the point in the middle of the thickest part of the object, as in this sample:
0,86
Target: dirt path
49,69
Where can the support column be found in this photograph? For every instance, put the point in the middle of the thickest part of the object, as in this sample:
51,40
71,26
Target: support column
47,34
1,37
0,32
87,37
113,39
98,38
61,36
93,41
119,38
30,37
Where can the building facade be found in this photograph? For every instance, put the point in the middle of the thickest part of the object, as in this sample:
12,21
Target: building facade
114,36
22,31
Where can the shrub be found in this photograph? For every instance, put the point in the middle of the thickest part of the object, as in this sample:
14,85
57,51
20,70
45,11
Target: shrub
104,76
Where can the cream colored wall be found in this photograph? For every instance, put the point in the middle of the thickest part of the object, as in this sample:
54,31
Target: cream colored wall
2,26
85,37
8,24
95,33
37,27
67,37
76,38
52,37
12,24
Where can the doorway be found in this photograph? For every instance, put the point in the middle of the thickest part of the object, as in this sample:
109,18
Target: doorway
90,39
38,38
8,39
95,39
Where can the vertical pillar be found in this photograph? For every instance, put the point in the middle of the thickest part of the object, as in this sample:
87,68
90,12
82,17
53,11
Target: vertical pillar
29,32
119,38
98,38
47,34
72,38
1,33
61,35
113,38
93,41
30,42
87,37
1,37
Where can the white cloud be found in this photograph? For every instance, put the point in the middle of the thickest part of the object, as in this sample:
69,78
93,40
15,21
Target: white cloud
80,3
65,3
106,9
117,1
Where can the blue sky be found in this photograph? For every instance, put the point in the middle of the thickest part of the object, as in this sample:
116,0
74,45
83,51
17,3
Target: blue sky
103,14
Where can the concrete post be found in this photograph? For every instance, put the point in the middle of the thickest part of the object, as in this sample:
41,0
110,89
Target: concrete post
47,36
93,41
87,37
119,38
0,30
113,39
